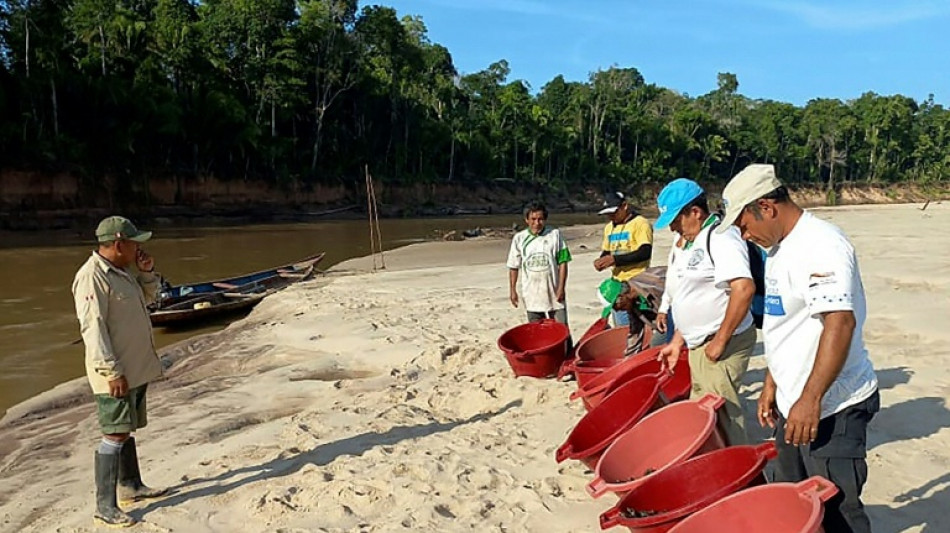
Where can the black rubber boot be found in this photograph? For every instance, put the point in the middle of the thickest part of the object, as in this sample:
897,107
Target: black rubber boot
107,474
131,488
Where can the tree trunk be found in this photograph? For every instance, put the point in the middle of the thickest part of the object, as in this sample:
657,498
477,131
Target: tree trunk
52,84
26,39
452,158
514,170
316,142
636,150
620,142
534,157
832,160
405,135
102,49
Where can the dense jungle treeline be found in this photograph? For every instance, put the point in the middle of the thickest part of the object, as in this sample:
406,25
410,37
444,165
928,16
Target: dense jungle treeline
308,92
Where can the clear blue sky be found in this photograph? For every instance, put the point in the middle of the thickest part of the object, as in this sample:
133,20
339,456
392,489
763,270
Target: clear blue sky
784,50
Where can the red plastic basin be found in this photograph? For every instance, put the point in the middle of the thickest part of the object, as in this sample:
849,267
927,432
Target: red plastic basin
607,344
593,388
667,437
598,326
775,508
594,355
598,353
616,414
677,388
645,362
585,371
536,349
568,367
690,486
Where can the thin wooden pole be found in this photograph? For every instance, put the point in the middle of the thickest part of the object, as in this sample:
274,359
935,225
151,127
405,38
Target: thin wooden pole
369,214
379,236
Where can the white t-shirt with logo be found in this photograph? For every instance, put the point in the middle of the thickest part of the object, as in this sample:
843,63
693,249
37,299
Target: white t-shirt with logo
814,270
537,257
699,292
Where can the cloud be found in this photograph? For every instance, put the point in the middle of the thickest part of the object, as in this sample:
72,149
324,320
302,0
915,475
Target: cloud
862,15
565,10
521,7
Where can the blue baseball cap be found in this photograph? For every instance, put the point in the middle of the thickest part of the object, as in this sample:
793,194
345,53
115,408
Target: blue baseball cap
673,198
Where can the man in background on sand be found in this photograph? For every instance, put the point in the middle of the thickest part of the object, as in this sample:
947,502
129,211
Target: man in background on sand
820,388
111,302
710,296
540,255
627,245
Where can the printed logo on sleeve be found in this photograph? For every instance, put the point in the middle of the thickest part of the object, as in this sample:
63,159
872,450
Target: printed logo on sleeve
824,289
817,279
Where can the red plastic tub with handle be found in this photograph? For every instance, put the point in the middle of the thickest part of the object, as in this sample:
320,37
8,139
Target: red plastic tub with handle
665,499
645,362
774,508
677,388
596,354
666,437
568,367
616,414
535,349
598,326
592,389
608,344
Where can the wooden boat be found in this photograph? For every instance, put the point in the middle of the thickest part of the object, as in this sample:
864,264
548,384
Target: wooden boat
231,284
204,307
228,296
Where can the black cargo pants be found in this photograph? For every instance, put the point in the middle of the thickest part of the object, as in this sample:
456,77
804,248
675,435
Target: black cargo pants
839,455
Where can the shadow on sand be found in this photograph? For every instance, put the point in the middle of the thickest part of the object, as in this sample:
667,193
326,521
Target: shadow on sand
914,418
319,456
916,509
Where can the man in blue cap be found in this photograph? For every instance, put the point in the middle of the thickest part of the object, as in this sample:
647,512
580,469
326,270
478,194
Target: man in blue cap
710,288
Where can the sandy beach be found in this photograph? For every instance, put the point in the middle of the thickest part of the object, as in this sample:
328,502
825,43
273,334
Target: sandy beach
363,401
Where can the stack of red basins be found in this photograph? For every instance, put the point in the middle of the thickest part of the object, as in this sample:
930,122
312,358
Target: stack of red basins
665,457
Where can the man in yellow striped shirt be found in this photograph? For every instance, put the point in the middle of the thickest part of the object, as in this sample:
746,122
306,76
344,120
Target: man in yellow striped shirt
627,245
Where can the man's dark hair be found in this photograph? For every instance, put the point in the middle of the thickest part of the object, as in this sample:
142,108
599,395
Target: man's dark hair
779,196
700,202
534,207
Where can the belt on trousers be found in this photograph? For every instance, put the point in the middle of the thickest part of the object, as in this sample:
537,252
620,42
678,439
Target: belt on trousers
711,336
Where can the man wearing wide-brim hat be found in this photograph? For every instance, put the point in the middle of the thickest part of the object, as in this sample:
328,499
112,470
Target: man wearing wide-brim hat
820,390
112,290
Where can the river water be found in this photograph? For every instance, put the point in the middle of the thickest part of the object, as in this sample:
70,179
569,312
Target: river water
38,327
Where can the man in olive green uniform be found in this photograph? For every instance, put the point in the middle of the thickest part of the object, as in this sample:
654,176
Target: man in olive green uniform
111,291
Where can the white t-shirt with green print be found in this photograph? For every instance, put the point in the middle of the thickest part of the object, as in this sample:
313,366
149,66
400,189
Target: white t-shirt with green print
537,258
